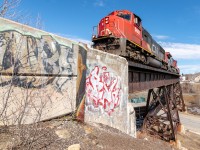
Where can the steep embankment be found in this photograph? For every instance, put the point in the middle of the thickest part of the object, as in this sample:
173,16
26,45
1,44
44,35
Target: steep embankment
191,96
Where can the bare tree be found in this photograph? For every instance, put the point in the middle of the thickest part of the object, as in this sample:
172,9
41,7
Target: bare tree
39,23
8,8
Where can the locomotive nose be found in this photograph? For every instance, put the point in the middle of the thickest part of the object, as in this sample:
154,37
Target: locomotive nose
104,28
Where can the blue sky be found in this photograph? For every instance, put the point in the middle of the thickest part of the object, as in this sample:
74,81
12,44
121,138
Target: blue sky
175,24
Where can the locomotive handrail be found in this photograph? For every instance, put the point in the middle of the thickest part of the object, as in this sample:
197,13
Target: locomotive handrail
119,29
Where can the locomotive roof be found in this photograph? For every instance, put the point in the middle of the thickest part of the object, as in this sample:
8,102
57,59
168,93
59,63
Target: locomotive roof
124,11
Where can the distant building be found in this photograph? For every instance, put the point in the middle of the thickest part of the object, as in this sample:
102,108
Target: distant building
183,78
192,78
197,79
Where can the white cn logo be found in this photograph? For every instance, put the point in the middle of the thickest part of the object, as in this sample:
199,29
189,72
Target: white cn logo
137,30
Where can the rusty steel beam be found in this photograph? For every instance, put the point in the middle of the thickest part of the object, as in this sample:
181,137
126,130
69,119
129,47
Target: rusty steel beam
162,118
140,86
143,77
178,96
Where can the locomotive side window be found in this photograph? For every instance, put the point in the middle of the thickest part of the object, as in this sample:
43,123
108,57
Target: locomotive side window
137,21
154,48
125,16
145,37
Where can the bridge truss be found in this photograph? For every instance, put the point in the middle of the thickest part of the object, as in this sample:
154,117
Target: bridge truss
164,99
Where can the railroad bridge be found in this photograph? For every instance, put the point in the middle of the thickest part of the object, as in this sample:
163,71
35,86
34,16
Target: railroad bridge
160,115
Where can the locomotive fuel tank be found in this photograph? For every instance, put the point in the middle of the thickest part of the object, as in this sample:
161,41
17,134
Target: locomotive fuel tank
154,62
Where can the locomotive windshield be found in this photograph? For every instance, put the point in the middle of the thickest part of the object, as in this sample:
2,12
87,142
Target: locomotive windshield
125,16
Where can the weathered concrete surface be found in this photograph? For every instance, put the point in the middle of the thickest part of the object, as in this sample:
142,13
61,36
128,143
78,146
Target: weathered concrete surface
41,74
107,91
27,105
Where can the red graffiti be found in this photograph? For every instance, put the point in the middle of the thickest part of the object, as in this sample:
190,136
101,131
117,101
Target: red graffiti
103,89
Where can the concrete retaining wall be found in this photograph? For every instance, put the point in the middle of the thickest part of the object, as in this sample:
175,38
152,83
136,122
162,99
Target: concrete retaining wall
107,91
41,74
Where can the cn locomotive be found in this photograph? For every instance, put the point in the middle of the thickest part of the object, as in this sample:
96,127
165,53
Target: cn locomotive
121,33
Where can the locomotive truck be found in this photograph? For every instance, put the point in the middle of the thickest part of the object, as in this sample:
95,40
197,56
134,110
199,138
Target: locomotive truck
121,33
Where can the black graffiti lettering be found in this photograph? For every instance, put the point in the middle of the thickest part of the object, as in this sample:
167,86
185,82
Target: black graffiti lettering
22,53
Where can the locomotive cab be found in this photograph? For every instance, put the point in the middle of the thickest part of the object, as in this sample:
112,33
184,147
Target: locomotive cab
118,24
117,29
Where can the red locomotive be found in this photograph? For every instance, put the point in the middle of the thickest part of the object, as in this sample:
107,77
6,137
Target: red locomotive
121,33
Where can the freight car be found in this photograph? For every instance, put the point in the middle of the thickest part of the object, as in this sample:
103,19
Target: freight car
121,33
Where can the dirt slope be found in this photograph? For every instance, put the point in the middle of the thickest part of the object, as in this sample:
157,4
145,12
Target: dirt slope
189,140
60,134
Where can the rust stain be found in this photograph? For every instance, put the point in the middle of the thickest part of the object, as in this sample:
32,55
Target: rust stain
81,111
81,67
80,70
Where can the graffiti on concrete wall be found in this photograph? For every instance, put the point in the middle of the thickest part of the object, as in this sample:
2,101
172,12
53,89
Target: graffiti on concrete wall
103,90
25,55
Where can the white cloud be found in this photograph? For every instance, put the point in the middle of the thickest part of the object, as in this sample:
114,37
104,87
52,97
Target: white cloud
161,37
79,39
89,43
99,3
189,69
75,38
189,54
182,50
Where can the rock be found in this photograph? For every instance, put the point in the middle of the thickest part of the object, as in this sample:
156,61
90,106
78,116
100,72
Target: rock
95,142
181,129
178,144
74,147
100,146
55,124
91,136
183,148
88,130
64,134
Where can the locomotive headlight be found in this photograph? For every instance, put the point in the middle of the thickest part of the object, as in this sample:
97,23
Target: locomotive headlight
107,20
